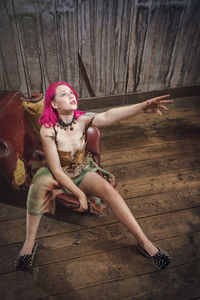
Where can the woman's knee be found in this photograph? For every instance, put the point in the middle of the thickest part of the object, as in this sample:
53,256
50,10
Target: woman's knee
107,192
46,182
39,194
95,185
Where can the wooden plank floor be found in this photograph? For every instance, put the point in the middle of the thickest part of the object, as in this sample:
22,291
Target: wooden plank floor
157,166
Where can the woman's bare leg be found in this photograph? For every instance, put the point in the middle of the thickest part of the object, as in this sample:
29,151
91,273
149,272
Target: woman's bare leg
32,223
40,190
94,184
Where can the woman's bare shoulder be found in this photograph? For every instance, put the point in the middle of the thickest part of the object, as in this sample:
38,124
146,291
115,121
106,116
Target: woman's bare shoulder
46,131
88,114
87,117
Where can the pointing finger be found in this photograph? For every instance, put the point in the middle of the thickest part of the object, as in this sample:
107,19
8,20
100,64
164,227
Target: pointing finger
161,97
166,101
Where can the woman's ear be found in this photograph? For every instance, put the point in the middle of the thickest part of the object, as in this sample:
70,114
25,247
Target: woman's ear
54,104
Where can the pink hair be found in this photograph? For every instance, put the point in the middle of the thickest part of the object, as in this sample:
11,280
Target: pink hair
50,116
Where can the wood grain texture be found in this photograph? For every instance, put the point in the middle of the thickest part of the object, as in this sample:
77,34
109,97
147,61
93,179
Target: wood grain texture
95,271
105,237
142,287
126,46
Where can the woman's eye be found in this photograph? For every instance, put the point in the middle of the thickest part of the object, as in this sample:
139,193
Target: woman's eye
63,94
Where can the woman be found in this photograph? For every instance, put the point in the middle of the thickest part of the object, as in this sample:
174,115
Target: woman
70,167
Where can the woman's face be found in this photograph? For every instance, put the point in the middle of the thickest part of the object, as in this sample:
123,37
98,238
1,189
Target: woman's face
65,100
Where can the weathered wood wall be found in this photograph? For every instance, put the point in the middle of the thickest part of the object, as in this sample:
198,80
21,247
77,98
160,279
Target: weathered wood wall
125,46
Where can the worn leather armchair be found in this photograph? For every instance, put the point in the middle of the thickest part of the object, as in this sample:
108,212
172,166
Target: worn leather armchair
19,145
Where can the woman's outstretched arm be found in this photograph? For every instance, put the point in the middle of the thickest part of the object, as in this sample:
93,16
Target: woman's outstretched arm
116,114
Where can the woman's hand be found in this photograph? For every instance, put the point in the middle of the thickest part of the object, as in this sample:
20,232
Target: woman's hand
83,203
155,104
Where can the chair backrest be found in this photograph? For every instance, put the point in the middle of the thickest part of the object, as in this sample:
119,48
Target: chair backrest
94,143
15,127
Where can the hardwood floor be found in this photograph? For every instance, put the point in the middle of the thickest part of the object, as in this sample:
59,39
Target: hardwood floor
157,165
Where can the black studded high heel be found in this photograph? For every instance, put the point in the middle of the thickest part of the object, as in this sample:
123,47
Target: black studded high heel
161,259
25,262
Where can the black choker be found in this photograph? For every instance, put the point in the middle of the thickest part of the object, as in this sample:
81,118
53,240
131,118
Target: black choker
64,125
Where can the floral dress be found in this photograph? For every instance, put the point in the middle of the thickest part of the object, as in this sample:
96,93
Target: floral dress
44,188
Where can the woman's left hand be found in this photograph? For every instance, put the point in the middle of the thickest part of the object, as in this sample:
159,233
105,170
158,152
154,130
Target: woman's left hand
155,104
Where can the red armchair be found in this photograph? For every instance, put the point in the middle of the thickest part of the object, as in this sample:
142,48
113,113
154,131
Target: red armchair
19,145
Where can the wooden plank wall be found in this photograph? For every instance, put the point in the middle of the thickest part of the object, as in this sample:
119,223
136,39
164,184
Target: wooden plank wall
125,45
